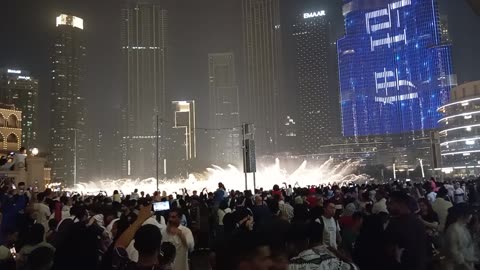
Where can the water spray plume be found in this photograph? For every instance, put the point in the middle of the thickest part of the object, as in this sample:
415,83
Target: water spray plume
233,178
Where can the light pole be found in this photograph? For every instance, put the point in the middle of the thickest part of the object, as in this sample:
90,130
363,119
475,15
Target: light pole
74,157
156,152
421,167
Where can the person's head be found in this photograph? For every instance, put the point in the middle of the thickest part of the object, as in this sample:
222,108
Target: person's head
357,220
147,241
135,191
245,251
41,258
442,192
220,185
41,197
298,237
10,236
399,203
276,188
21,186
223,205
380,194
460,213
315,233
258,200
425,206
329,210
274,207
169,253
35,234
115,192
175,217
195,193
22,150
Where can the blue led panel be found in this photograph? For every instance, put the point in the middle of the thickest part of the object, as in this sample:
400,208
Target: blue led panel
394,72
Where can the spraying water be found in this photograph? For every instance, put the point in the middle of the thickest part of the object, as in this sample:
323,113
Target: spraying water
233,178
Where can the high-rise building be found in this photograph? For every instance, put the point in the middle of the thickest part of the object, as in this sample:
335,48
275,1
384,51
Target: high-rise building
144,45
224,108
185,121
394,71
68,111
318,101
261,34
17,87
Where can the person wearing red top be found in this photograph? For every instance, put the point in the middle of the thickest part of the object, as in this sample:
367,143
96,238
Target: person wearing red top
276,191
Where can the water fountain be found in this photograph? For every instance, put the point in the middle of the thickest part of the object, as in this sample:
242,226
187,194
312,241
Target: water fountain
233,178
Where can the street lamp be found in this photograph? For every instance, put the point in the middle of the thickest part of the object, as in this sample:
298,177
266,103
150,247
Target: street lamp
34,151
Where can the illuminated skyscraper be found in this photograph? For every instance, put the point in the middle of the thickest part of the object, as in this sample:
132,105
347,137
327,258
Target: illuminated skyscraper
261,30
17,87
185,121
318,99
68,112
394,71
224,108
144,45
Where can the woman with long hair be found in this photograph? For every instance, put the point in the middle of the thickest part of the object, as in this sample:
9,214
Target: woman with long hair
459,246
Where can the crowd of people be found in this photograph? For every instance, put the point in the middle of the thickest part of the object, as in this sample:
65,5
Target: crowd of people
421,226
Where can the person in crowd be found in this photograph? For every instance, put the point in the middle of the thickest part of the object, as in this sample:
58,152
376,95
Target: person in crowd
134,195
459,246
8,253
405,235
246,250
350,234
181,237
459,194
331,229
169,253
35,239
381,203
116,196
222,211
441,206
260,210
42,210
313,253
148,240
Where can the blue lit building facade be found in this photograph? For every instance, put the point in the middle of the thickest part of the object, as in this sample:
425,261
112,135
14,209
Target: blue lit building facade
394,71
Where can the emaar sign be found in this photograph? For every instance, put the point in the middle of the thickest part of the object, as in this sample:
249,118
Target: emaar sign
314,14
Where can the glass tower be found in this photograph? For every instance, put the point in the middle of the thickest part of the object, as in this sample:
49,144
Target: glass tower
394,70
68,111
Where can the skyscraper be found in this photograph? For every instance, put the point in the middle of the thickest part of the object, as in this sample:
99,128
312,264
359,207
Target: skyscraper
182,140
317,98
144,45
394,71
68,112
261,31
17,87
224,108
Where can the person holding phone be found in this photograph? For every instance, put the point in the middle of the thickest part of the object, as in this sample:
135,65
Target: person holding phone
181,237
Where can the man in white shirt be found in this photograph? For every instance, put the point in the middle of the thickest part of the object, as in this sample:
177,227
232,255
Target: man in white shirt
135,195
459,195
42,211
331,229
181,237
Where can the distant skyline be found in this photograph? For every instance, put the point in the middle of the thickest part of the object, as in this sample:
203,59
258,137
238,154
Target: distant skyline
197,28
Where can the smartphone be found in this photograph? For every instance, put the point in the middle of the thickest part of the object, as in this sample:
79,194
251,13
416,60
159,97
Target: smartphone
161,206
13,252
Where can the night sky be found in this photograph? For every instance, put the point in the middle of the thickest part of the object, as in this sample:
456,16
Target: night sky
197,27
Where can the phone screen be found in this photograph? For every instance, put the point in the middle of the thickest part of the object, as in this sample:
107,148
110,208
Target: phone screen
161,206
13,252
